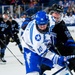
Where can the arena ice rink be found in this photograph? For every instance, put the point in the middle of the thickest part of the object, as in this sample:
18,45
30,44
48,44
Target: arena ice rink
13,67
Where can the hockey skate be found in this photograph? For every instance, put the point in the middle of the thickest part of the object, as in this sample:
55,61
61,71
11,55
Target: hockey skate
2,61
22,51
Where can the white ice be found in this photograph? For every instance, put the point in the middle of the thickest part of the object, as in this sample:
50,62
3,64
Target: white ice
13,66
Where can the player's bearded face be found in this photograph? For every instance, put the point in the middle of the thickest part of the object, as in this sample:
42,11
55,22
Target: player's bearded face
42,27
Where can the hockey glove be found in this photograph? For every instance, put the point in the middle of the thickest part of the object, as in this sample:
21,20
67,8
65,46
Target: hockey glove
60,60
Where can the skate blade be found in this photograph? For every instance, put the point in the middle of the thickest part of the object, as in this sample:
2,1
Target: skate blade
2,63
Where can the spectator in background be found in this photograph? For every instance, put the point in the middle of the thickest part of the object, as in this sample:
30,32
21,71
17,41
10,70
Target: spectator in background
60,3
12,2
21,9
23,2
69,19
45,2
65,5
15,9
1,2
69,10
31,3
72,4
7,2
21,20
15,17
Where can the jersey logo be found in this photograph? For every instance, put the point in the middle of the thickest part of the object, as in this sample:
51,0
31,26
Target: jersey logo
40,49
38,37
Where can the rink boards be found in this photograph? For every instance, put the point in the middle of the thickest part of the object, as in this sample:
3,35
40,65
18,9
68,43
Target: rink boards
72,31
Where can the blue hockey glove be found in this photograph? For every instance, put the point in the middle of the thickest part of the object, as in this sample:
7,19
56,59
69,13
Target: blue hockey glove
63,59
60,60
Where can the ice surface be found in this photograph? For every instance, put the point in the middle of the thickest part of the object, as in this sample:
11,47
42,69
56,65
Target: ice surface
13,66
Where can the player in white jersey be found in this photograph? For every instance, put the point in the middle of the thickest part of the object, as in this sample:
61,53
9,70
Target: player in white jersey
38,43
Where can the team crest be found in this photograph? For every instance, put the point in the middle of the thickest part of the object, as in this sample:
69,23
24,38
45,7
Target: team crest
38,37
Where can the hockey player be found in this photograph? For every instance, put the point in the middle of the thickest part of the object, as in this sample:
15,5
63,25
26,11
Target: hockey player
38,45
65,43
5,32
15,31
23,26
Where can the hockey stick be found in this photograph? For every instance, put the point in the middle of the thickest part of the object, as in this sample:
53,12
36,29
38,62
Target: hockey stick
58,71
12,53
66,66
69,57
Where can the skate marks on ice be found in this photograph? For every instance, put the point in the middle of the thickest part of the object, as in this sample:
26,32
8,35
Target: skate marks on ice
12,66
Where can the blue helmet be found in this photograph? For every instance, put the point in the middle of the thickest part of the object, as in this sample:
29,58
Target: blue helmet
41,18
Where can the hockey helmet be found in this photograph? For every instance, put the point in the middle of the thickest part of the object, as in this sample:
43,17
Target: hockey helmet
58,12
57,8
41,18
5,15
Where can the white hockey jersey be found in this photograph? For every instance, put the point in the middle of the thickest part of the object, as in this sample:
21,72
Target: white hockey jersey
36,41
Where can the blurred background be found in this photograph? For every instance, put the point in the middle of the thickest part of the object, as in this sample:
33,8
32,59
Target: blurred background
17,9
